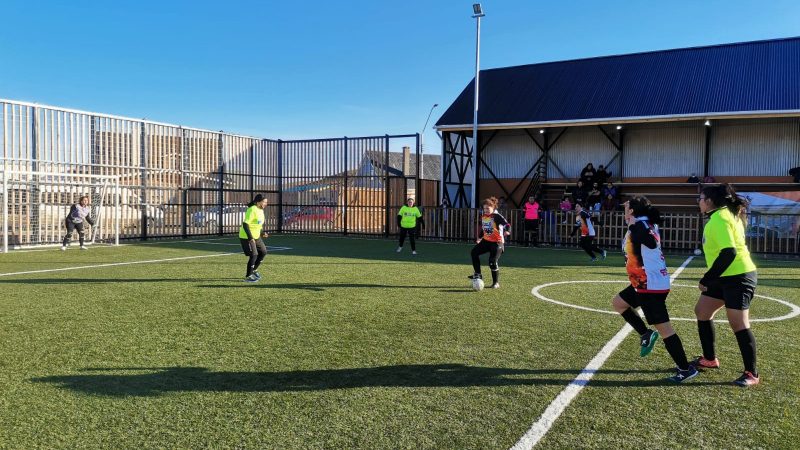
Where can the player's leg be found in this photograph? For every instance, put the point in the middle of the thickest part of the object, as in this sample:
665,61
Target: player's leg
625,304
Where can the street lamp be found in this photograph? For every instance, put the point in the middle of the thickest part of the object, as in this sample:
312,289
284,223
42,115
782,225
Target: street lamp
477,14
422,143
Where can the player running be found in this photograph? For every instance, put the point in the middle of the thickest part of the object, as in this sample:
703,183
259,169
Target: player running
584,223
730,280
493,229
650,285
250,234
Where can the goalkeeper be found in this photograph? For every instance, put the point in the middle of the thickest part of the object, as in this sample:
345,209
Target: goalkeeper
78,214
250,234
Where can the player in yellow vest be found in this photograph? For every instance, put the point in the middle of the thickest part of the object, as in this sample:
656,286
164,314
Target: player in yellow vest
730,280
250,234
408,219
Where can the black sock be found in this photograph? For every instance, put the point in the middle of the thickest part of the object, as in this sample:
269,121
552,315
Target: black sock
495,276
675,350
747,345
706,330
635,321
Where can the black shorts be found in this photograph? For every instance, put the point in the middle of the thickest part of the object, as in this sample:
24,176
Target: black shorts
654,305
249,248
736,290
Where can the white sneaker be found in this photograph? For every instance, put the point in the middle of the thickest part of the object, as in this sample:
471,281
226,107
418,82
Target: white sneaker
414,252
84,247
495,286
399,249
63,248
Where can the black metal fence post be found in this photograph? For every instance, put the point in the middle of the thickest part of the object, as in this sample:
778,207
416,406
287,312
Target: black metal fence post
143,175
346,187
221,196
387,188
280,185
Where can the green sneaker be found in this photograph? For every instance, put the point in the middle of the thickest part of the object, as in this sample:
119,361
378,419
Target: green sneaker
648,342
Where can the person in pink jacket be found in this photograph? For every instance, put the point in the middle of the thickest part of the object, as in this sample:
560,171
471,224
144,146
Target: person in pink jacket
532,222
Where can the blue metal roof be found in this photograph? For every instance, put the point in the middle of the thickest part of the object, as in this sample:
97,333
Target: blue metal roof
748,77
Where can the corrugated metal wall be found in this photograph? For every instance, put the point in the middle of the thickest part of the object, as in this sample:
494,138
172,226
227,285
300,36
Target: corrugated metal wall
664,150
580,145
754,148
510,154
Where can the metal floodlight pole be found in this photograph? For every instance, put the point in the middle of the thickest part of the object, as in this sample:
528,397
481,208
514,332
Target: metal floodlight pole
422,144
478,13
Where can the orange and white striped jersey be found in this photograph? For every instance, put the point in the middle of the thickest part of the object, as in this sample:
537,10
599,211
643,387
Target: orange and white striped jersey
644,260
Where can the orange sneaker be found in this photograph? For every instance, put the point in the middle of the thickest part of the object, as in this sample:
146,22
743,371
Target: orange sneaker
747,379
702,363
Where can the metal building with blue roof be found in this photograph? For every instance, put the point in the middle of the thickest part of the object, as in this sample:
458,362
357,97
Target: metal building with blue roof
727,111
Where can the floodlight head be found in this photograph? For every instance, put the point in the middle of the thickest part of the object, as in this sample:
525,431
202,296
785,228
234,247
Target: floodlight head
541,131
476,9
708,123
435,105
619,127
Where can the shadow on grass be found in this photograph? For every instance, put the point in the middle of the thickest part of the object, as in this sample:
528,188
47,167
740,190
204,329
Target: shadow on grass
319,287
157,381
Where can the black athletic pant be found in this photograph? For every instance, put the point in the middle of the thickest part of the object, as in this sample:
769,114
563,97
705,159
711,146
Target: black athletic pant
411,233
588,245
70,228
532,231
495,250
256,250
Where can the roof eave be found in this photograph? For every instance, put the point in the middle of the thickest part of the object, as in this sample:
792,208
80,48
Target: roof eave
625,120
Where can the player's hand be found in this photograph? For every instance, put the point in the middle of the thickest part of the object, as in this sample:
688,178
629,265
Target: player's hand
478,241
264,235
252,240
702,287
507,233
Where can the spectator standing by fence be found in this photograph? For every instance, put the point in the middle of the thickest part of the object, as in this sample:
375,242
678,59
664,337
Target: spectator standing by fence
532,222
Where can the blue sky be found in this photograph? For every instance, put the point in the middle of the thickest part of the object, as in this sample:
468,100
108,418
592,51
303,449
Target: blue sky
323,69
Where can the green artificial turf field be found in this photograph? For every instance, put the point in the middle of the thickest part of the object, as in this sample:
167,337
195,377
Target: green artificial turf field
347,344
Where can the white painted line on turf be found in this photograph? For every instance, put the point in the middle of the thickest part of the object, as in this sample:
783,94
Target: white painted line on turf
51,247
794,309
540,428
128,263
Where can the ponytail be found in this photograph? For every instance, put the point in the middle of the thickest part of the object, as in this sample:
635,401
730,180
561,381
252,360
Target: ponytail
725,196
641,206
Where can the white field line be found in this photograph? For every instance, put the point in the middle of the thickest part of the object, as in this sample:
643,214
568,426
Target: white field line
557,406
50,247
129,263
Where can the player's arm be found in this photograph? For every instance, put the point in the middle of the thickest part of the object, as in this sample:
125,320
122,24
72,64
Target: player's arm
723,237
641,235
502,222
723,261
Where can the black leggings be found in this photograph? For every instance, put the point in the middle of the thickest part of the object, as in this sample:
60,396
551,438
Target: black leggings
256,250
588,245
70,227
532,231
493,248
411,233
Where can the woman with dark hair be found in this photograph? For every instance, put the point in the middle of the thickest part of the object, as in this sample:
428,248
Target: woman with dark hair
583,222
730,280
250,234
493,230
650,286
587,174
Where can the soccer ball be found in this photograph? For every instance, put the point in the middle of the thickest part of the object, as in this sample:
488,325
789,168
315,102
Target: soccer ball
477,284
698,252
